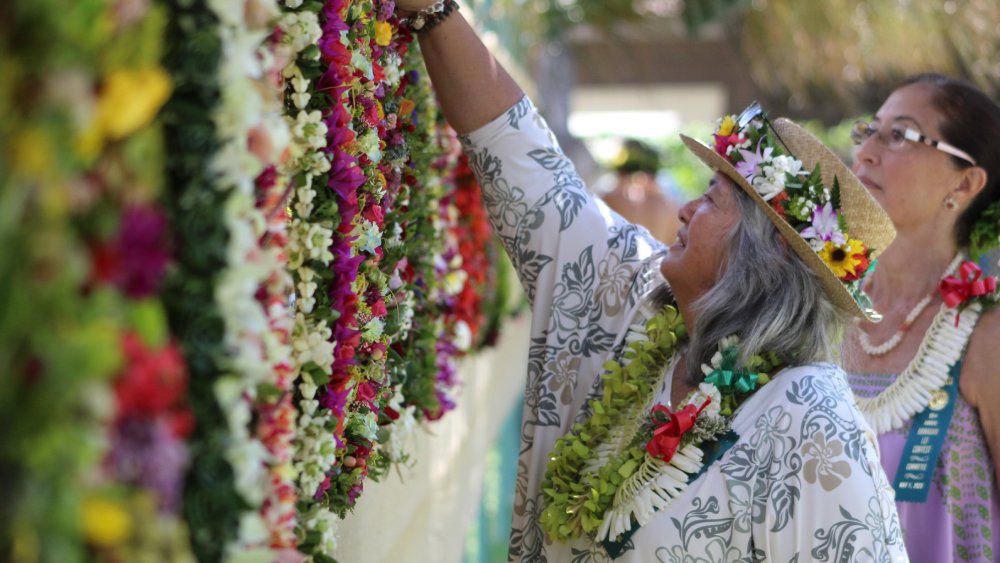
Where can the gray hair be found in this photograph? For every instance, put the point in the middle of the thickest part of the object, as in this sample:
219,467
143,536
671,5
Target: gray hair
767,296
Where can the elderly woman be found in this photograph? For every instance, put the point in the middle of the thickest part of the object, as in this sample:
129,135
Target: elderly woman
695,421
926,376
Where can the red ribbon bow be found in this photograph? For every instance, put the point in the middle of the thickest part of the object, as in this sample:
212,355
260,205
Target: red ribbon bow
667,437
968,284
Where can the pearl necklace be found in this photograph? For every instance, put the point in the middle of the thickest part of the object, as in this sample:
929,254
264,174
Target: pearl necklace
895,339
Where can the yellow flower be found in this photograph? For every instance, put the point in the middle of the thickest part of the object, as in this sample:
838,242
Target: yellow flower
727,126
105,522
131,99
843,259
383,33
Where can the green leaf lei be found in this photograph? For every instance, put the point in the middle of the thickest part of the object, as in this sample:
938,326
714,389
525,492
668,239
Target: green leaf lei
576,497
575,501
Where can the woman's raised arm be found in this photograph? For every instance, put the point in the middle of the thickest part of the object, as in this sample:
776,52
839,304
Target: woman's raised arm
470,84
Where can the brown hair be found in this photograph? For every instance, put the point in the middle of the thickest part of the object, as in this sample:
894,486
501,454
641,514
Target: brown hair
972,123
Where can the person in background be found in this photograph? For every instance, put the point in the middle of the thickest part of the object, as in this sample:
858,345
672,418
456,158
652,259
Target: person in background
928,376
637,196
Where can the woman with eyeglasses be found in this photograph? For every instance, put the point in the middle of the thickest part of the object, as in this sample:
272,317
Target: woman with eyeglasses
927,377
680,403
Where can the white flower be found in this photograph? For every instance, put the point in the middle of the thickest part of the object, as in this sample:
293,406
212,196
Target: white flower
312,344
463,336
306,290
293,4
301,29
304,199
395,237
774,170
310,128
314,162
393,67
784,164
704,392
369,144
321,520
454,281
369,237
318,241
373,330
767,187
249,461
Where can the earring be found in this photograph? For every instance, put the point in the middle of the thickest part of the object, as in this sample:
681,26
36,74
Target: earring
950,203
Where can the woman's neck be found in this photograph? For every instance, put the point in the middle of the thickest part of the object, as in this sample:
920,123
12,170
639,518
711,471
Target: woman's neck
912,266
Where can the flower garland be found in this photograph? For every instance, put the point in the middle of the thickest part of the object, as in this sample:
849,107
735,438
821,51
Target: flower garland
965,296
211,504
615,470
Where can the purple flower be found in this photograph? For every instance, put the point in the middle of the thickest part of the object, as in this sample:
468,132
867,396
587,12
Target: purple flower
142,251
750,166
825,227
146,453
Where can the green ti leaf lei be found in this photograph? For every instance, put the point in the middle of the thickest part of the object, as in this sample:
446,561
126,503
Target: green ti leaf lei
576,499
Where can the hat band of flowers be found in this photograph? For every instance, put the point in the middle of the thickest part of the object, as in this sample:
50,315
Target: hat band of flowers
822,209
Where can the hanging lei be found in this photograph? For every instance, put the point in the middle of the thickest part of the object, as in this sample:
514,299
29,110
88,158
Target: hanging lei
610,473
921,384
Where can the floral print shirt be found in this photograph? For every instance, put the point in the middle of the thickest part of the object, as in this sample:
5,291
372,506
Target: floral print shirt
803,482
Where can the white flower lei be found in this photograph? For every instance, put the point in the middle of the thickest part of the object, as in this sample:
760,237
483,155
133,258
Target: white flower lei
257,334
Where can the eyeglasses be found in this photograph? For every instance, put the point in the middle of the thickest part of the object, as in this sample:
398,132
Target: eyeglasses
897,137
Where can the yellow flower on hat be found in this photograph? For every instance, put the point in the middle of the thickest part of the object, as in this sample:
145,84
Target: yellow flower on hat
105,522
727,126
383,33
843,259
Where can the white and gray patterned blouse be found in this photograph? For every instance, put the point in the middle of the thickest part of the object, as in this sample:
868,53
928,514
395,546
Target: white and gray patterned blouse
803,483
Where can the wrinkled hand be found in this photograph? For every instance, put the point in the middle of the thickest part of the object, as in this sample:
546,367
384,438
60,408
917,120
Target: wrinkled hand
410,7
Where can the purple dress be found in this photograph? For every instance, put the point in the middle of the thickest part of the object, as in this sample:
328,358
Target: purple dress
961,519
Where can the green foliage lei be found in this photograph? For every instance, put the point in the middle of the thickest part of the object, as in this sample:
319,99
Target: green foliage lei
575,500
577,496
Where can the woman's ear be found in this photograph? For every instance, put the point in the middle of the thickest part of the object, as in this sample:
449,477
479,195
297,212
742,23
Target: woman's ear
972,182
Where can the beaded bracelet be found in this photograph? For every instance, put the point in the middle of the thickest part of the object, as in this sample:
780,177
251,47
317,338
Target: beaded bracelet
431,16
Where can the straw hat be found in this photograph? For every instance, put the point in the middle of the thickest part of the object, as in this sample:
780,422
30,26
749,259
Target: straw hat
795,201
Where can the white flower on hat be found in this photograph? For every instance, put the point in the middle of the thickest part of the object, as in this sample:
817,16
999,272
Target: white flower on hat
774,170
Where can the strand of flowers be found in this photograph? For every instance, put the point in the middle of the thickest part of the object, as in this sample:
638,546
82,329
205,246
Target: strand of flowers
425,375
252,285
473,236
212,505
313,220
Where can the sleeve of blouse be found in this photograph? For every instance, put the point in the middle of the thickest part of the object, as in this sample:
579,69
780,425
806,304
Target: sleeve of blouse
576,259
828,498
